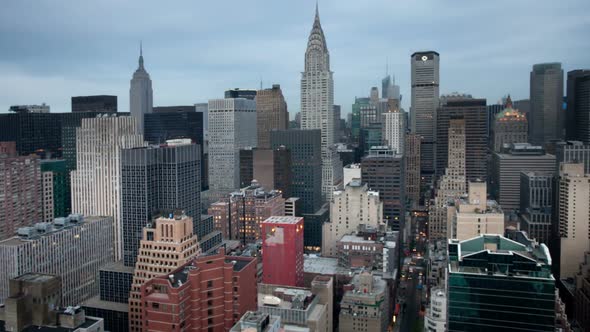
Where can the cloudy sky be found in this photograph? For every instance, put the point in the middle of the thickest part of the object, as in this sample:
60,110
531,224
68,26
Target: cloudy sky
194,50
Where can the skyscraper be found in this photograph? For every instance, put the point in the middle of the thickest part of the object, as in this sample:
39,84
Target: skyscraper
96,182
473,111
55,178
282,251
232,126
509,126
412,167
394,128
156,180
140,93
536,201
388,88
578,105
476,215
546,120
317,105
101,103
425,93
271,114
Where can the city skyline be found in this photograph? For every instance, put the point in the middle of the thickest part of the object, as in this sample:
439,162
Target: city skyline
89,55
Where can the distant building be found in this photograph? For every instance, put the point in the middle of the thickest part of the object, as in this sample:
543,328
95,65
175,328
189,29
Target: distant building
55,191
364,306
43,108
34,305
209,293
572,152
536,202
337,127
99,103
257,321
21,198
314,228
578,105
97,178
346,215
394,129
282,251
412,168
546,117
352,171
272,169
506,168
573,211
140,94
510,126
306,170
232,126
246,166
167,243
473,111
496,274
271,114
383,171
477,215
240,93
73,248
435,319
425,94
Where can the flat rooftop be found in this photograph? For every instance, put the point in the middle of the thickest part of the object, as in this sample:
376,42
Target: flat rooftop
96,302
356,239
35,277
290,220
323,265
118,267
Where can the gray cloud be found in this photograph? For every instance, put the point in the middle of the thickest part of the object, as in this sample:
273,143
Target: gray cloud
194,50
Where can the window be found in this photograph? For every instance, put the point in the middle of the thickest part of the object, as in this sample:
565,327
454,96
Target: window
209,283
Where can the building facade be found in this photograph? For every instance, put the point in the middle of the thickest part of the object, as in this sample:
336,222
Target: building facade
435,319
383,171
572,152
55,188
578,105
497,284
364,306
536,205
425,94
97,179
167,244
271,114
73,248
282,251
210,293
100,103
394,129
412,168
232,126
351,207
477,215
272,169
510,126
140,94
317,105
547,118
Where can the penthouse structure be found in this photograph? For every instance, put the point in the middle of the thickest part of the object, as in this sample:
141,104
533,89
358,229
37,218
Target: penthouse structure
365,304
477,215
73,248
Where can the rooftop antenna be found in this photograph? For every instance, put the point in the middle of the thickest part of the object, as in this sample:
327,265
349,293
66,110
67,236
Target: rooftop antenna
260,82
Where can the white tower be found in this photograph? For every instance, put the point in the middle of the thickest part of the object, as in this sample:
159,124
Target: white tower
140,93
317,105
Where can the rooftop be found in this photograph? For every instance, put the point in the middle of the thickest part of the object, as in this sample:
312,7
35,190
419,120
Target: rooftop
355,239
285,220
96,302
323,265
35,277
118,267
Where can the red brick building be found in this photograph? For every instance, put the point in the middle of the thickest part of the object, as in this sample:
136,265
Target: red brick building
209,294
282,251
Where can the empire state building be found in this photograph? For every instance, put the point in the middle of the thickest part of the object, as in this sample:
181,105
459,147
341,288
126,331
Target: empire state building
317,105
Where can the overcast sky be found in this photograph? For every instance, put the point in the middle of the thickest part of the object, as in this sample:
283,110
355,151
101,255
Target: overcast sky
194,50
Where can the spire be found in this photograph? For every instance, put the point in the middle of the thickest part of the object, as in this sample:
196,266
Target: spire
141,54
508,102
317,11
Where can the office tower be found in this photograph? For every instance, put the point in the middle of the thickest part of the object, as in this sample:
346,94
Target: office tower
546,119
355,205
313,228
388,88
210,293
140,94
352,171
96,182
34,305
394,129
477,215
371,136
506,168
74,248
246,166
272,169
240,93
271,114
282,251
338,129
167,244
582,293
412,167
383,171
493,110
317,105
34,133
509,126
360,109
435,318
20,185
368,113
425,85
162,125
536,202
204,109
476,138
232,126
452,184
100,103
257,321
370,296
490,274
7,149
305,147
300,308
43,108
239,215
155,180
572,152
55,191
573,209
578,105
523,105
292,206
